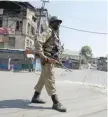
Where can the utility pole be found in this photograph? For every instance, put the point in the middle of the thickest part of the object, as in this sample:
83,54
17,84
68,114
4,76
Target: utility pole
41,12
40,17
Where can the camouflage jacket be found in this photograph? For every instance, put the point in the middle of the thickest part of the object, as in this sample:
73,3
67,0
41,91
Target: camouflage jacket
48,44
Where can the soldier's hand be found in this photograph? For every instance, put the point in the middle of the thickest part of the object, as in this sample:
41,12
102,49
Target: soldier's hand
50,60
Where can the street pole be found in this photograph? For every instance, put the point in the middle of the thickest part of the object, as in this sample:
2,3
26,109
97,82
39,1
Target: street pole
39,23
39,26
79,61
41,11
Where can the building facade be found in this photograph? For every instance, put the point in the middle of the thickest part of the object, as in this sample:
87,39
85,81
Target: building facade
68,54
102,63
18,24
71,59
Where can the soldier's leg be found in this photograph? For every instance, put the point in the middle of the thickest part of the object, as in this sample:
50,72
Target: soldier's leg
50,79
38,88
50,87
40,82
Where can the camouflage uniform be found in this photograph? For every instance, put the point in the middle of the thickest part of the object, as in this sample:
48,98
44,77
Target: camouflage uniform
48,46
45,44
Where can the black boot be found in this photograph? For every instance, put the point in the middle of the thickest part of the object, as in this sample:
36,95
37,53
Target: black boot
57,105
36,98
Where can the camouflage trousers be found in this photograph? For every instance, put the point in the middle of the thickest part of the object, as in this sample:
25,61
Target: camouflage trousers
46,78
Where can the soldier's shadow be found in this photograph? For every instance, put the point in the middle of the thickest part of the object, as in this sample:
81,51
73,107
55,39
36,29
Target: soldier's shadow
22,104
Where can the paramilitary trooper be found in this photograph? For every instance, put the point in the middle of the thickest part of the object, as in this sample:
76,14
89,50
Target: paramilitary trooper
48,46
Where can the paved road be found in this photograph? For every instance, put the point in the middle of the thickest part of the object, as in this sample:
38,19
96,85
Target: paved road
87,76
16,90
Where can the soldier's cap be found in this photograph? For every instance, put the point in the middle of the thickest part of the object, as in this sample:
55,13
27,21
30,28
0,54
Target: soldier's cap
54,19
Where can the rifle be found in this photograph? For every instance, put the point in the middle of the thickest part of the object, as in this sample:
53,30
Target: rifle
59,63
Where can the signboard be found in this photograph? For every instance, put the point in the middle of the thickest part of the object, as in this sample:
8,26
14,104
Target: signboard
11,30
7,31
4,39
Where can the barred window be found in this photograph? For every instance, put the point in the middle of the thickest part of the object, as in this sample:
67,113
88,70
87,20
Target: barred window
30,44
18,25
32,30
28,29
11,41
27,43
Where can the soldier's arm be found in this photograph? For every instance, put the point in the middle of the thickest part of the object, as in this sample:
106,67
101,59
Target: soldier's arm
40,42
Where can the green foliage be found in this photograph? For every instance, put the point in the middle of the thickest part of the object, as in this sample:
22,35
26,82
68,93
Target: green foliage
86,51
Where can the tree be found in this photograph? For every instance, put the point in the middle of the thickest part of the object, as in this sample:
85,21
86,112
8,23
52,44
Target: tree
86,52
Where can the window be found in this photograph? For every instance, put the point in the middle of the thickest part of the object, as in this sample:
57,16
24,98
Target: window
41,29
1,21
11,41
27,43
18,25
34,18
28,29
32,30
30,44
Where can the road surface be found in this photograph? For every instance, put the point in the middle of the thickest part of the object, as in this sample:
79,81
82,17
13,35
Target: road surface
75,90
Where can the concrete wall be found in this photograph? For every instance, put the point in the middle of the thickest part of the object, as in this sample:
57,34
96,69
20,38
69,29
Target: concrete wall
19,42
29,16
24,27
